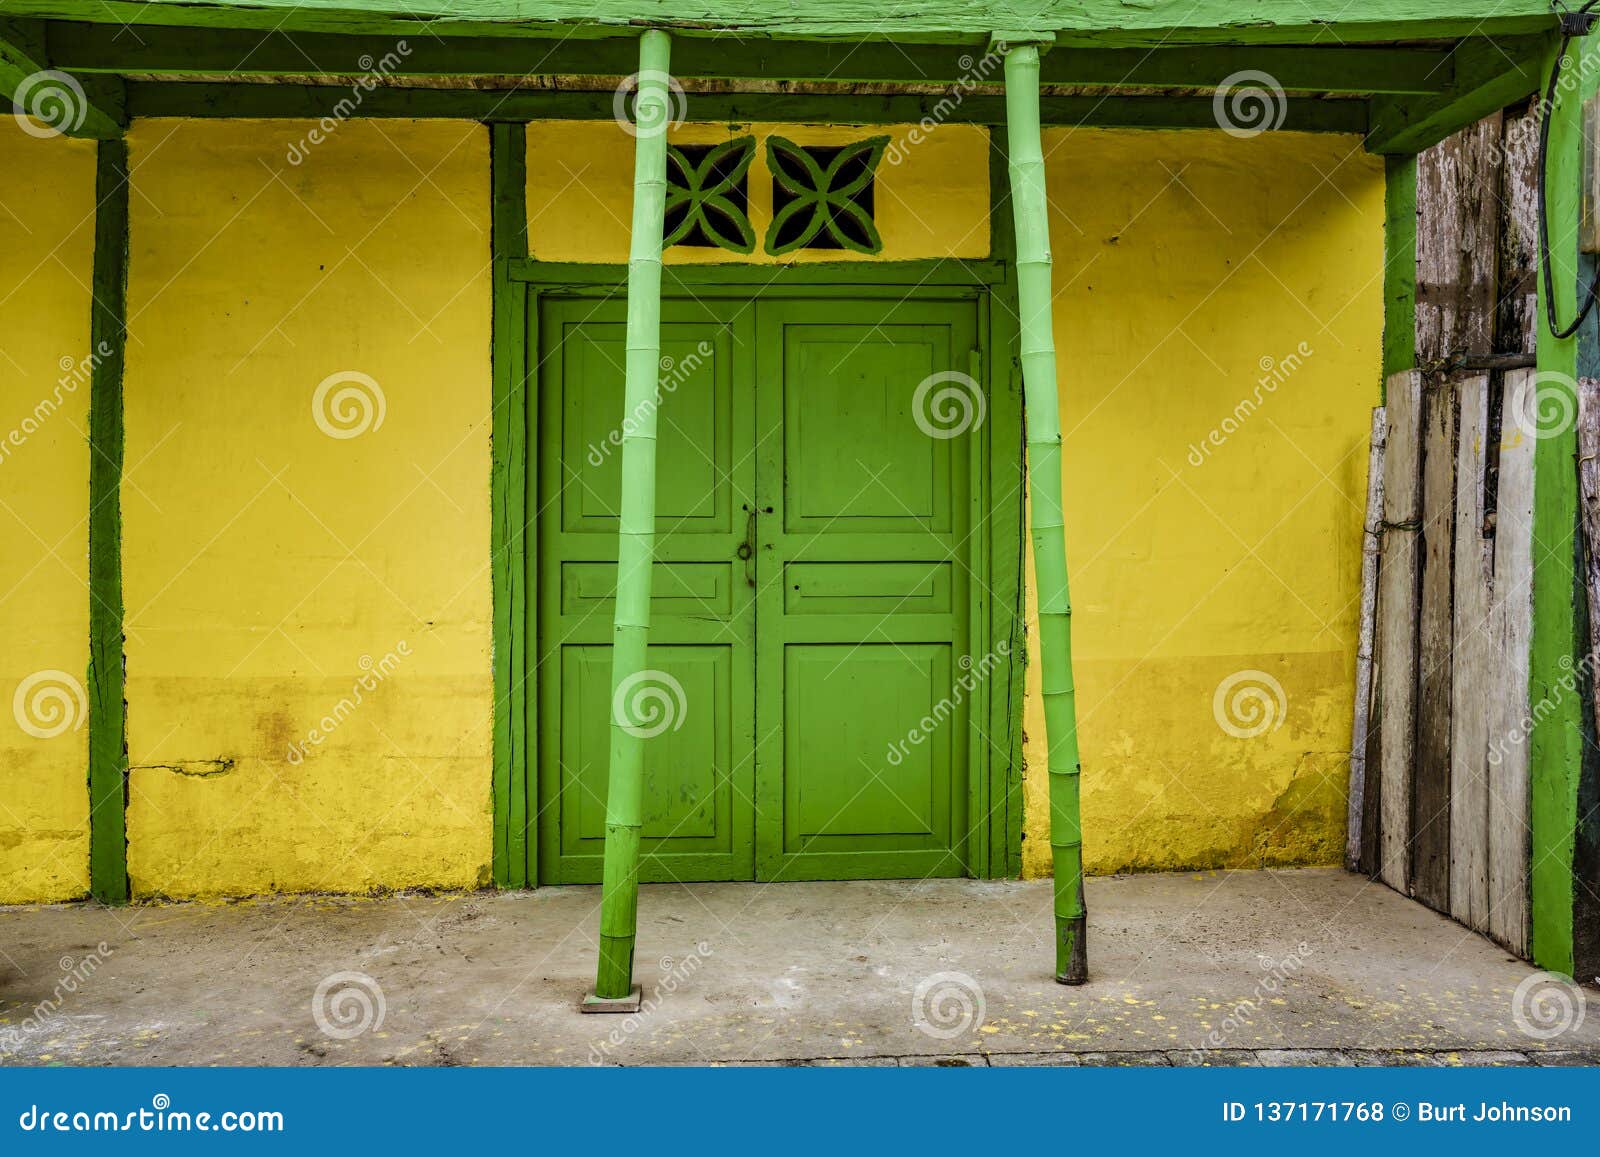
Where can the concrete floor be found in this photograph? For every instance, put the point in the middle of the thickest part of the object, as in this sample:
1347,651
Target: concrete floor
1313,966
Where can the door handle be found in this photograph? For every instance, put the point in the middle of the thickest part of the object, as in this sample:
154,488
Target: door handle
747,548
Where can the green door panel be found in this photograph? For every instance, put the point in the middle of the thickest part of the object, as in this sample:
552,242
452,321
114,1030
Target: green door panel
863,592
699,770
814,727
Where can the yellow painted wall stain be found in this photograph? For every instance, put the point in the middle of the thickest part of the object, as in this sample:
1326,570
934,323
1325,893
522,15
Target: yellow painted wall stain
931,196
1191,268
306,508
46,266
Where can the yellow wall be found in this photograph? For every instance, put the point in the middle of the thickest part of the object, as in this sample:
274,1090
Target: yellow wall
268,563
46,265
1188,268
271,566
931,193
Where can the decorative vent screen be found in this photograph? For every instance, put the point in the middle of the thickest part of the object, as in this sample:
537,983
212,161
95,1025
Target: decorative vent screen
708,196
822,198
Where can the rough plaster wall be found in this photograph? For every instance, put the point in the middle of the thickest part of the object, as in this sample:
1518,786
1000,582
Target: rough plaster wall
1213,522
309,685
46,265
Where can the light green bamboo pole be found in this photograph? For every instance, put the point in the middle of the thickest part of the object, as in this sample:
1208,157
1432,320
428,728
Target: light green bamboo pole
619,906
1029,212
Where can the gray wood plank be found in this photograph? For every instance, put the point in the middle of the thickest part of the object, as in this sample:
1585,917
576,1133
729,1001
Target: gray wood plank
1360,726
1511,635
1472,668
1397,610
1430,790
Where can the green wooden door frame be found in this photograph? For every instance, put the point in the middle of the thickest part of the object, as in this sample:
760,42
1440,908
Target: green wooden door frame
995,542
995,775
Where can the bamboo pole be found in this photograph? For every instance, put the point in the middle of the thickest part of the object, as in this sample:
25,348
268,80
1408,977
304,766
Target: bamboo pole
619,905
1030,216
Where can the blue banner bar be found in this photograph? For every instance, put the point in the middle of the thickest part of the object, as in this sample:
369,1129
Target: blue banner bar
705,1112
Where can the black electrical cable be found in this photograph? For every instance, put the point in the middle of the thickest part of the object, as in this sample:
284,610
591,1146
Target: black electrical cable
1572,24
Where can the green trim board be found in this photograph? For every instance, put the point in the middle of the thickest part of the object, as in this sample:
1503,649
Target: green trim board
1399,266
270,101
92,107
1006,507
177,52
514,680
735,278
1555,743
1488,76
1098,22
108,731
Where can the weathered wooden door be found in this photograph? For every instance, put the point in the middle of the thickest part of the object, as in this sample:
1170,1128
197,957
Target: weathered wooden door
811,590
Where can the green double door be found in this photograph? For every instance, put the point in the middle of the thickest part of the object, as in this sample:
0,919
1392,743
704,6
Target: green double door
811,591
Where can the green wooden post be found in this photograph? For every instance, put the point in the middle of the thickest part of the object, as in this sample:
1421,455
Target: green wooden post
108,729
1030,216
1399,266
619,911
1555,747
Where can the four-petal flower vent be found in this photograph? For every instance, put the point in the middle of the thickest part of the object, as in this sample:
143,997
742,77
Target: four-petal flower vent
822,198
708,200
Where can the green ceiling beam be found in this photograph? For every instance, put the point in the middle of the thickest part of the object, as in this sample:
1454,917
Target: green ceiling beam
175,99
1097,22
1489,75
72,106
103,48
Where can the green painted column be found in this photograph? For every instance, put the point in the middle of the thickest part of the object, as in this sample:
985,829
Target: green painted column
619,911
1029,210
1555,745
